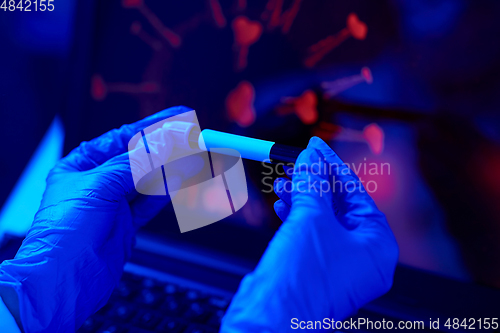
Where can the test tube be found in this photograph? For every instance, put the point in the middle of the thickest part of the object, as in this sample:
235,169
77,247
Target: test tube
191,137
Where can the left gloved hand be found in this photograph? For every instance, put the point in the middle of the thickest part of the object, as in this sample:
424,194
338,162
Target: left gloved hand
333,254
75,250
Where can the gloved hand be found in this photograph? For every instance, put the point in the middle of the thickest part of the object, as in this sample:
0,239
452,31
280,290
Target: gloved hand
334,252
74,253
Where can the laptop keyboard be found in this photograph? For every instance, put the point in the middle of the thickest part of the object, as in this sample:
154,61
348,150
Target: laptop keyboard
141,304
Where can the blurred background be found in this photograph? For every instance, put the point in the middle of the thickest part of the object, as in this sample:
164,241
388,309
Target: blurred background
409,84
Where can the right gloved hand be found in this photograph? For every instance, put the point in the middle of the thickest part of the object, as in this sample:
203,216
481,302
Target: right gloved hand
319,264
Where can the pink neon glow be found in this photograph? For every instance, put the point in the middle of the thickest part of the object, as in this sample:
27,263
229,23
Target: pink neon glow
242,4
213,201
239,104
148,87
100,89
357,29
304,106
132,3
382,187
318,51
172,38
485,164
333,88
246,33
275,18
289,16
217,14
372,135
136,29
367,75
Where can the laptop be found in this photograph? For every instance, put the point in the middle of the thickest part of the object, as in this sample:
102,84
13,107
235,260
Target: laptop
132,58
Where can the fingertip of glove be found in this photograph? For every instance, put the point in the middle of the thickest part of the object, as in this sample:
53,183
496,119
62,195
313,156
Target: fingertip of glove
279,205
320,145
315,142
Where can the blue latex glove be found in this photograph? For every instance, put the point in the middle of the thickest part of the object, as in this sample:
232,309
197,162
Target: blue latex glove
74,253
319,264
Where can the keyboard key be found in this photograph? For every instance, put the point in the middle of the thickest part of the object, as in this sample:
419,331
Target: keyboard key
221,303
171,289
124,291
141,304
171,306
150,298
197,313
122,312
193,295
148,283
147,319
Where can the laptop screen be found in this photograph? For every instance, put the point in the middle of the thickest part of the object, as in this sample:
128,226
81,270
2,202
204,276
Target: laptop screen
353,73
